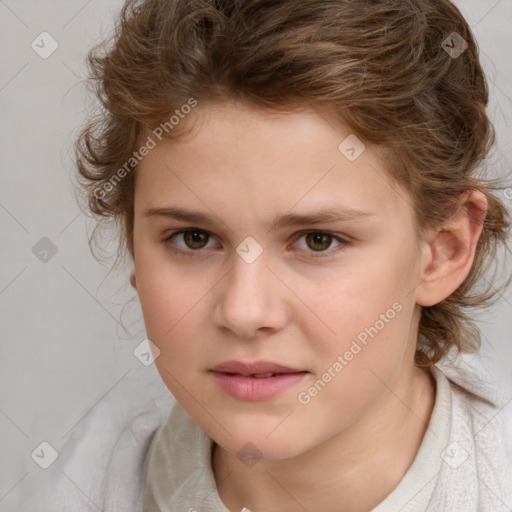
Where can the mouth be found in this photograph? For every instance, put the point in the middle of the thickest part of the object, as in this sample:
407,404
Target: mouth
259,369
260,380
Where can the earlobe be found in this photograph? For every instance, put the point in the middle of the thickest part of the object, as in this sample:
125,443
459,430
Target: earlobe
132,281
452,250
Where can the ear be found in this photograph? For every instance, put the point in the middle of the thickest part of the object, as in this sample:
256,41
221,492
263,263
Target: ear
132,281
451,251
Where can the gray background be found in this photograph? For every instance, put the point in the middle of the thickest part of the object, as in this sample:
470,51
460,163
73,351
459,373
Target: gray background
69,326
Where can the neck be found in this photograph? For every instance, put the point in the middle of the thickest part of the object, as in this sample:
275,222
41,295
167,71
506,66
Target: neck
358,467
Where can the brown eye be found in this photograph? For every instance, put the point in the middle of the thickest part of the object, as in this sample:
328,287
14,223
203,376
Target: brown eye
319,241
188,242
195,239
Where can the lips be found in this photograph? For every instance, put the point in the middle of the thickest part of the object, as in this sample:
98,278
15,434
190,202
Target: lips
257,369
260,380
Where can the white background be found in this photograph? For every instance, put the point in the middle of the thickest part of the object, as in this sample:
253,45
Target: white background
66,336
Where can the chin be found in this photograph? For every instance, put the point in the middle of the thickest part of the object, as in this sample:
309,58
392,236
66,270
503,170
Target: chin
258,445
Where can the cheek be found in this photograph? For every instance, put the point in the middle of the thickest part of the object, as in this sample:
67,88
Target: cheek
165,294
353,368
170,307
354,302
174,306
368,312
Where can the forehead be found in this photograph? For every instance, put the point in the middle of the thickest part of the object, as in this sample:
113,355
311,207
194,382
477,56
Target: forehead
250,156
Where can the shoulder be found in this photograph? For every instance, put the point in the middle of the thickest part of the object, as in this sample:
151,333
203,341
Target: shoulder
476,473
101,461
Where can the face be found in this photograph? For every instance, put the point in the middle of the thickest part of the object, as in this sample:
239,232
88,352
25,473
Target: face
277,324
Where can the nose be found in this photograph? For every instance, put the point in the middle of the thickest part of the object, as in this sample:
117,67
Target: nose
252,299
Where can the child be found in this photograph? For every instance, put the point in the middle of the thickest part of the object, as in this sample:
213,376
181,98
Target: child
296,184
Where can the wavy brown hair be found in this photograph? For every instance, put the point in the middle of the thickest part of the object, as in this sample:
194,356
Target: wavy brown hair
380,65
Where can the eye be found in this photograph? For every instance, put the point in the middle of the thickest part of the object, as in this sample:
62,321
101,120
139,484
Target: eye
194,239
320,241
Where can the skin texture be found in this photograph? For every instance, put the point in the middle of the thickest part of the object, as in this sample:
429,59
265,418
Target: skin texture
294,305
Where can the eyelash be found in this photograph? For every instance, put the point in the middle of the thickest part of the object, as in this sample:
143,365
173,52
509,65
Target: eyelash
191,253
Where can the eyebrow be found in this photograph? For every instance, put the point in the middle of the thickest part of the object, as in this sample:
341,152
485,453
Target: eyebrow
288,219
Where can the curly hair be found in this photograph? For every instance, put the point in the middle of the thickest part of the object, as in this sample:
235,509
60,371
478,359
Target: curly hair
384,67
